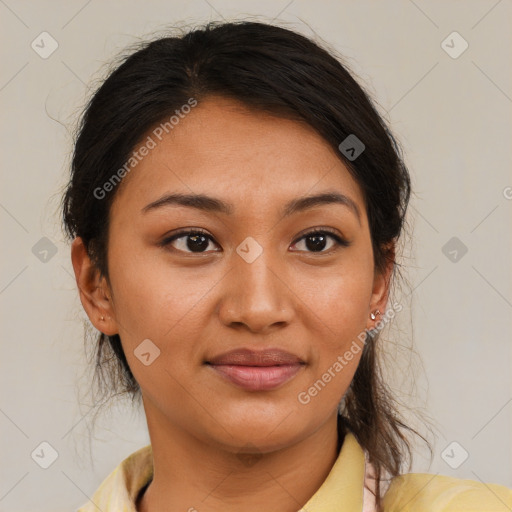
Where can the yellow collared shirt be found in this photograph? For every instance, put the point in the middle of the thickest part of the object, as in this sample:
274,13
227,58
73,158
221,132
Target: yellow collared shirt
342,490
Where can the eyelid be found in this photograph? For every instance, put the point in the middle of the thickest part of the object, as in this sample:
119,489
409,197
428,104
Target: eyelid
331,231
339,239
182,233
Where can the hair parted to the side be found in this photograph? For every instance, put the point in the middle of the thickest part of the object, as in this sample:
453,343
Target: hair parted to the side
270,69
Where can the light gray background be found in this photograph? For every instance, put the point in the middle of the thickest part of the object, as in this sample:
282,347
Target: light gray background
452,116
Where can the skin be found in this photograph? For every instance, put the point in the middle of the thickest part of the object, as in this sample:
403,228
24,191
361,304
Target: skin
194,306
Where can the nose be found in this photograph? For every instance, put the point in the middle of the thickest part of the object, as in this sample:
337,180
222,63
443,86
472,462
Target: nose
256,296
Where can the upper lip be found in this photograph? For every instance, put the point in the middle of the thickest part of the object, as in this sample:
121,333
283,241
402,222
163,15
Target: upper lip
247,357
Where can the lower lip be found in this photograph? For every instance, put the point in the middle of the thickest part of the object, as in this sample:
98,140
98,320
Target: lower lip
257,378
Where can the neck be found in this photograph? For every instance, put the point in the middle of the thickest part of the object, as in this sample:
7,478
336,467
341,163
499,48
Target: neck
192,475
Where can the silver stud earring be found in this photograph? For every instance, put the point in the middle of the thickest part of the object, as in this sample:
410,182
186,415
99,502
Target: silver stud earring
373,315
102,318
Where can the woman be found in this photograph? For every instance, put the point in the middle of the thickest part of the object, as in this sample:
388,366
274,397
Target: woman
235,205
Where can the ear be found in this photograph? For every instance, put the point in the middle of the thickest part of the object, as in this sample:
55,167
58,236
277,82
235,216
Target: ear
381,286
95,294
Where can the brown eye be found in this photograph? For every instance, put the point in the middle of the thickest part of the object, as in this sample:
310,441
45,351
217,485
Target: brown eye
193,241
317,240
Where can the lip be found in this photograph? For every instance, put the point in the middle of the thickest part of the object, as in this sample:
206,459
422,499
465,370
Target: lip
257,370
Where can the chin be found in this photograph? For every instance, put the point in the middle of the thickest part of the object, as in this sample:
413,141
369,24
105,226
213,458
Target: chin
264,431
258,441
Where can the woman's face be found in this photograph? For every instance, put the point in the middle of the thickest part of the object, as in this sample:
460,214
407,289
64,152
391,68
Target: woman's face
251,281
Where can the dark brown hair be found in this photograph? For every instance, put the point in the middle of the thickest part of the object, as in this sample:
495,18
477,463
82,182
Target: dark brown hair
274,70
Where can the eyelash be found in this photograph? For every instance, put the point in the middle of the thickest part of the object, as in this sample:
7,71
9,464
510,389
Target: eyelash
340,242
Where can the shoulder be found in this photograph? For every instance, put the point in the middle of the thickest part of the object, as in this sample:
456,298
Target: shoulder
118,492
422,492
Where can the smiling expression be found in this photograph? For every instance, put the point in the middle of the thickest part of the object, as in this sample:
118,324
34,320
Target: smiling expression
240,231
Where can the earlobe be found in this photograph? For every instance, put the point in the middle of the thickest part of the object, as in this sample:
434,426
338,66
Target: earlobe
381,288
379,300
93,289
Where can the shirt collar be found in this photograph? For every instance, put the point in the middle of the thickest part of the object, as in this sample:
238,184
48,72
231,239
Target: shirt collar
342,490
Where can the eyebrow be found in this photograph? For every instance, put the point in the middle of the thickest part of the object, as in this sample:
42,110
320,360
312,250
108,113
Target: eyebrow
213,204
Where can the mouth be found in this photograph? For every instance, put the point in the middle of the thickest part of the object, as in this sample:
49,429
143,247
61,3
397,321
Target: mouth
257,370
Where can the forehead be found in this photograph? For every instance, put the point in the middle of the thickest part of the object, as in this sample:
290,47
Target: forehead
250,158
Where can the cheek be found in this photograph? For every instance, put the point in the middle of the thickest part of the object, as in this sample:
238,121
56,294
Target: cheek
340,303
154,300
172,306
157,303
341,312
340,297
